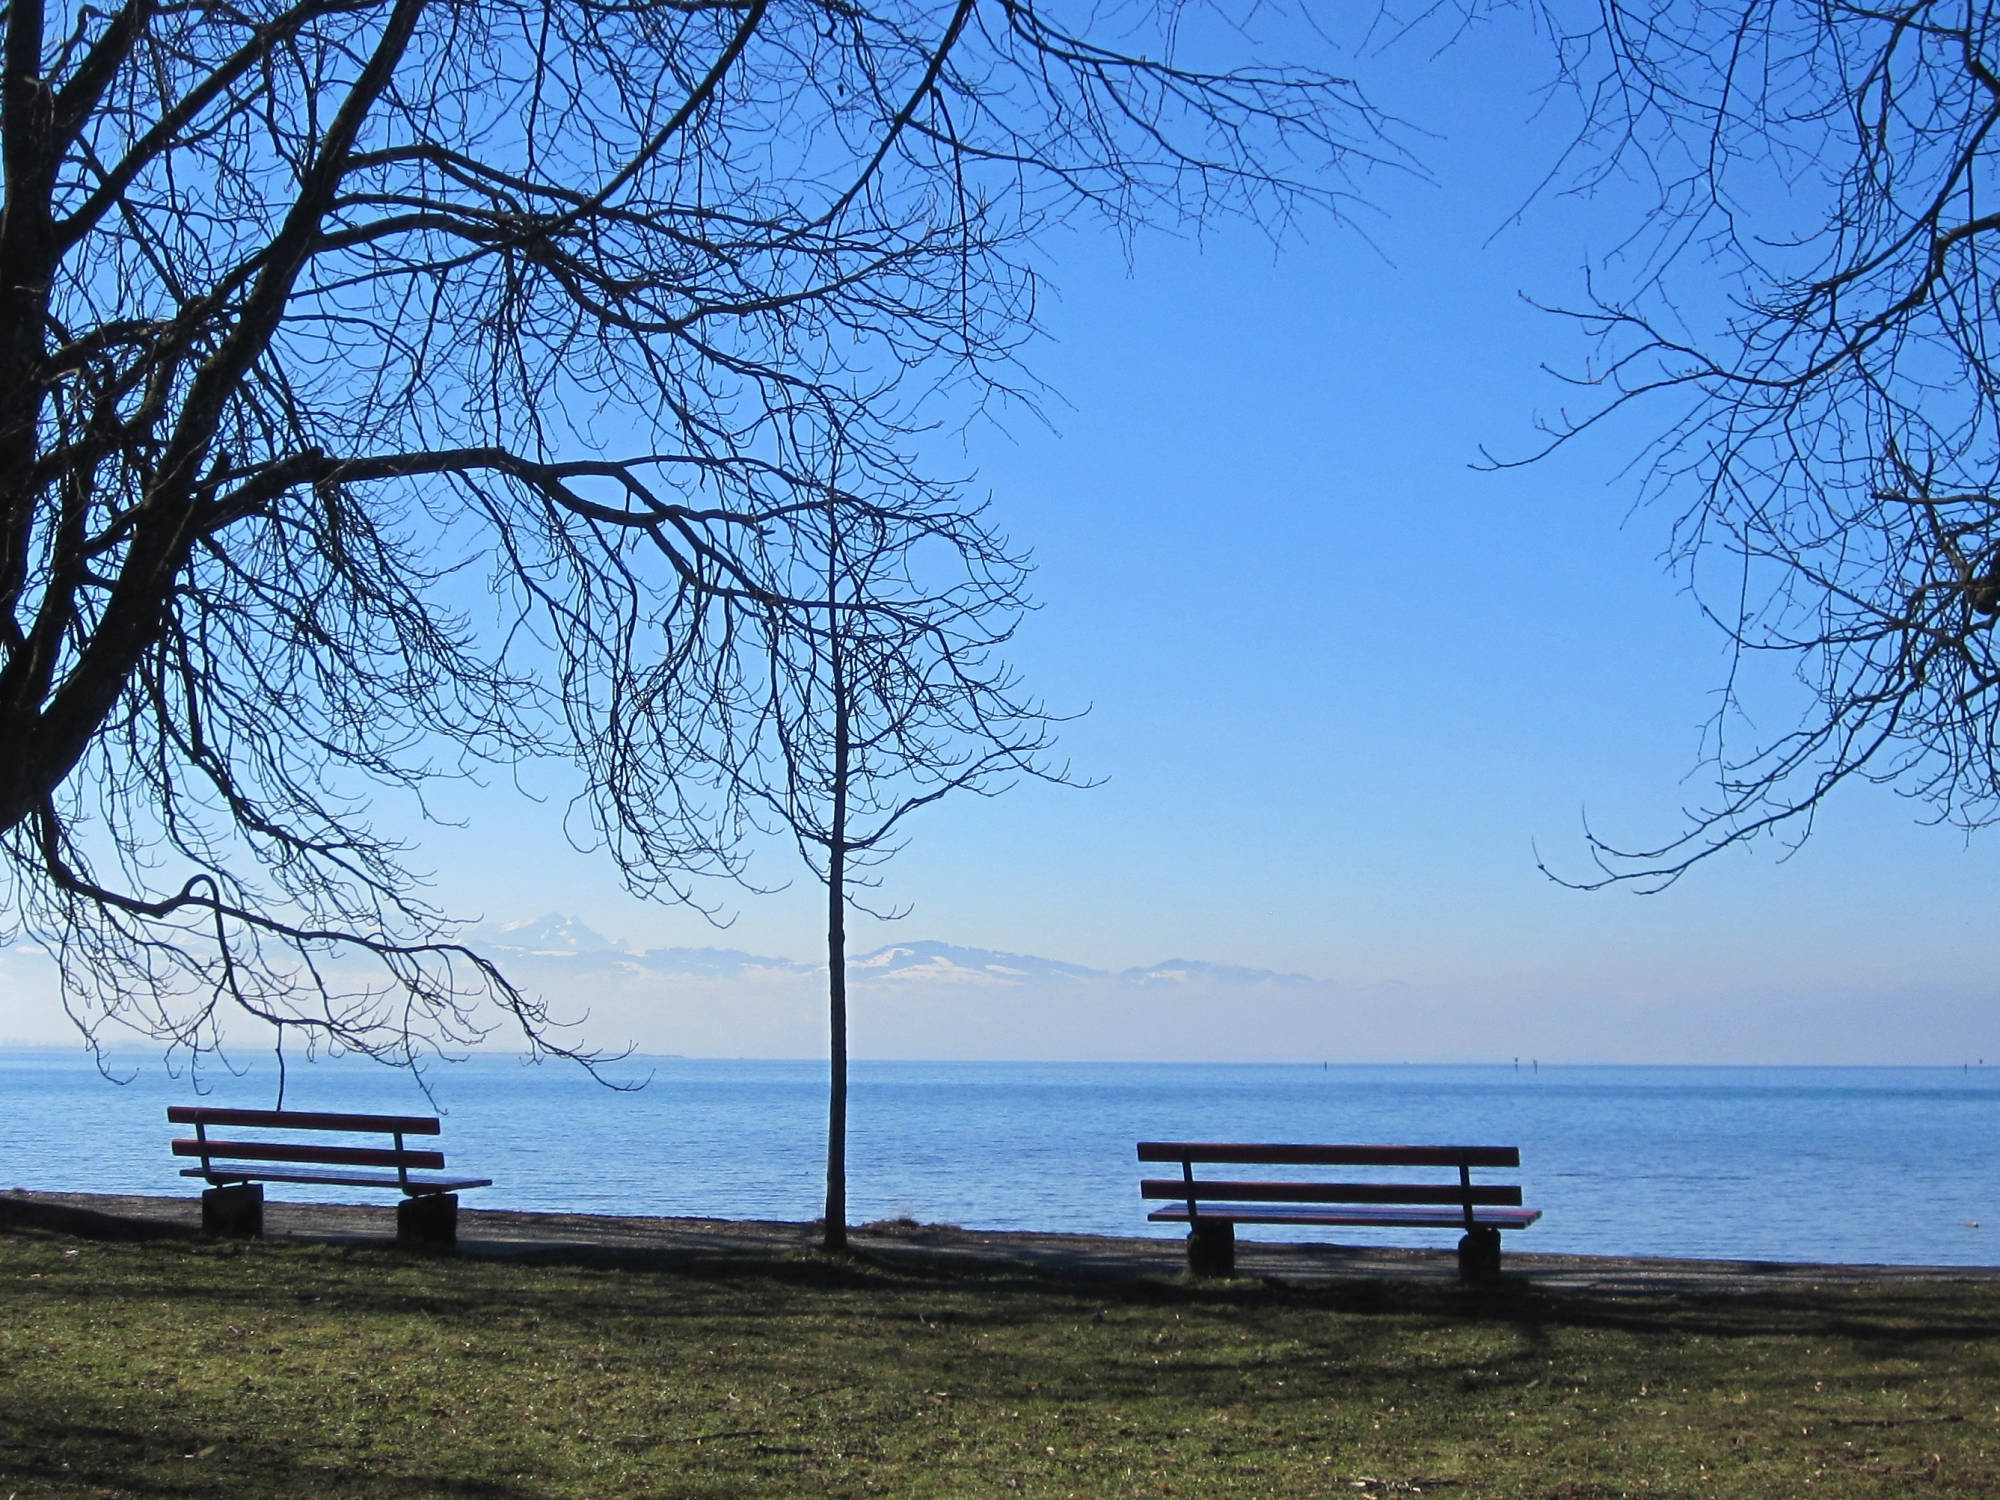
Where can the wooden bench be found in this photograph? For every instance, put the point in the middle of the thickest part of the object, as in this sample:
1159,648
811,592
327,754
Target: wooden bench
1213,1208
236,1170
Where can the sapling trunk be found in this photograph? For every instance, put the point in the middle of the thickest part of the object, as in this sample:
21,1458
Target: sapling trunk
835,1221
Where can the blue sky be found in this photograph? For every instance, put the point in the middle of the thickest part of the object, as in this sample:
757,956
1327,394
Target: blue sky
1341,685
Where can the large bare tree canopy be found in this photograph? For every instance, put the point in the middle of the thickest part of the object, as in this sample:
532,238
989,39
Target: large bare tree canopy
395,387
1814,297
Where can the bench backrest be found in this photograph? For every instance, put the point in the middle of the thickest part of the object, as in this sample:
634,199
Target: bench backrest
210,1149
1464,1193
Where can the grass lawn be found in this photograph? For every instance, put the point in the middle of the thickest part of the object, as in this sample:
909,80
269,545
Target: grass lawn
175,1367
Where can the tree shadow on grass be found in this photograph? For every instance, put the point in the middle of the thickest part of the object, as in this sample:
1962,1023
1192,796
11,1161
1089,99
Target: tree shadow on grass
74,1446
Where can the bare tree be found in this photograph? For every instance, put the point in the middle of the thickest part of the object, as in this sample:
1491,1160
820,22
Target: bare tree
1829,432
891,697
396,388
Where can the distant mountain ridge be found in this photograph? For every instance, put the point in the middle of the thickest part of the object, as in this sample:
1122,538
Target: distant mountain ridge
932,960
556,937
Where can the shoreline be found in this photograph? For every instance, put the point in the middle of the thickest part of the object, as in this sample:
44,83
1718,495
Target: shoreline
516,1233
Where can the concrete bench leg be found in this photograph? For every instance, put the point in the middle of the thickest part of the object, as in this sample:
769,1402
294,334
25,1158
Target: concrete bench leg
1479,1256
1212,1248
236,1211
429,1222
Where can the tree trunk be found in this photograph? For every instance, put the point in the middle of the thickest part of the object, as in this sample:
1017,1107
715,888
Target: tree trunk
835,1231
836,1111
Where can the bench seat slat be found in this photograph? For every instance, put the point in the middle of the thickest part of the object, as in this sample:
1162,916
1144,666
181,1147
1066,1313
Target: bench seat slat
1495,1194
299,1151
224,1175
1392,1218
294,1119
1252,1153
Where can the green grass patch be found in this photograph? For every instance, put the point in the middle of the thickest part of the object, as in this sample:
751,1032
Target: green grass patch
187,1368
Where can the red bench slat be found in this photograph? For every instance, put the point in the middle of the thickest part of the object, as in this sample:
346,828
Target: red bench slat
416,1186
1388,1218
1255,1154
331,1156
1329,1192
290,1119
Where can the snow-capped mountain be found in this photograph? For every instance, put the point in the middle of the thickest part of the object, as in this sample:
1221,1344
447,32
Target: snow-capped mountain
949,963
551,936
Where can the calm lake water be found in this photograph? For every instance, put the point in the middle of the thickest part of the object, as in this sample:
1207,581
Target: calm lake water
1892,1165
